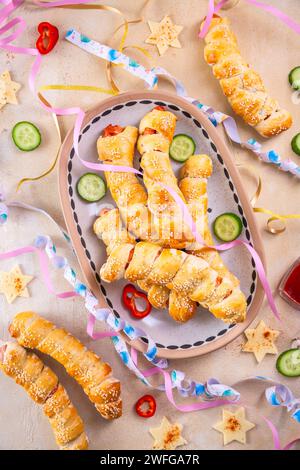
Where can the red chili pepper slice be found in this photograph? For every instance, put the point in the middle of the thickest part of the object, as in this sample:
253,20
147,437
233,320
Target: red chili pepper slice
130,293
160,108
48,37
146,412
111,130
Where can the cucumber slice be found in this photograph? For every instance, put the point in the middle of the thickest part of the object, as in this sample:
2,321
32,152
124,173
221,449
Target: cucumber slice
90,187
182,147
294,78
288,363
296,144
26,136
227,227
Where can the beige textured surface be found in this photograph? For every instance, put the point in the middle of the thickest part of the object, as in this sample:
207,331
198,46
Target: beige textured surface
273,50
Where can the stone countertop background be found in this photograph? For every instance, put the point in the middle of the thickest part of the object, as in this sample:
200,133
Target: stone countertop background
273,50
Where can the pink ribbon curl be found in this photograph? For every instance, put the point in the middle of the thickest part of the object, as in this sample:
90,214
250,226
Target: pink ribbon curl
214,9
169,389
100,334
43,260
276,439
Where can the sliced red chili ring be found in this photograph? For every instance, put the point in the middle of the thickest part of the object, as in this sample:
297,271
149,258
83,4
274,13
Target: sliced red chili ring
160,108
129,294
48,37
146,406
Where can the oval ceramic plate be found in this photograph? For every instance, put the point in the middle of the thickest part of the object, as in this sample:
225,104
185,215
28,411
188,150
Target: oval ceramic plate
203,333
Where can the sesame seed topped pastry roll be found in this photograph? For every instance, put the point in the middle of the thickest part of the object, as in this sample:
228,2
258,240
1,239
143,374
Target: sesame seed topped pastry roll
156,133
189,276
193,184
42,385
242,86
116,147
119,246
108,227
94,375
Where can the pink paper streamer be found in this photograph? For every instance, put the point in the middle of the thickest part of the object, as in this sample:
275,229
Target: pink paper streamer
213,9
99,335
190,222
276,438
169,389
43,265
228,246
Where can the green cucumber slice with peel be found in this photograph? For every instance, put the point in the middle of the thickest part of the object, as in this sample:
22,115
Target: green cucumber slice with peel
294,78
91,187
227,227
288,363
26,136
182,147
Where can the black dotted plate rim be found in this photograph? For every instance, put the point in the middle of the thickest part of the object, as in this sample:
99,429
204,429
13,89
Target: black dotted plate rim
187,115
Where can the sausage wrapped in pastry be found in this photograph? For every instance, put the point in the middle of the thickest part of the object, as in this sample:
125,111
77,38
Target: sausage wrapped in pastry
42,385
116,147
188,275
193,184
94,375
120,246
156,134
243,86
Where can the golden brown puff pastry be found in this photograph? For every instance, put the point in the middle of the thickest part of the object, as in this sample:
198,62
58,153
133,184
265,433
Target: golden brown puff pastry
153,144
94,375
42,385
191,279
195,279
118,149
243,87
108,228
161,121
158,296
165,266
129,195
181,307
115,267
137,270
193,184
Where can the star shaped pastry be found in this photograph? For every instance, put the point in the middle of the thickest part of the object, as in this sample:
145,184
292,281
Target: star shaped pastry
8,89
167,436
234,426
260,341
164,34
13,284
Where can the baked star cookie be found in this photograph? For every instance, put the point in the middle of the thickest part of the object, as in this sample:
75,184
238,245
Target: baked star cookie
164,34
261,341
13,284
167,436
234,426
8,89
